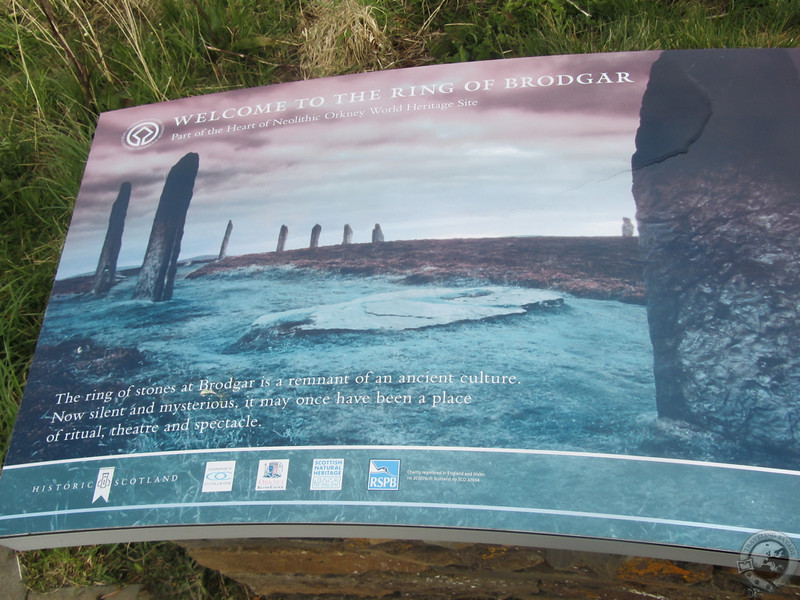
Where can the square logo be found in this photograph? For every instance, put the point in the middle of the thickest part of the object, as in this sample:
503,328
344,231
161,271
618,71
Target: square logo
272,475
219,476
326,474
384,475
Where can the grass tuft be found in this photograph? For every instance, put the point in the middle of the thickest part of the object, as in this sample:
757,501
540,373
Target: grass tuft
343,36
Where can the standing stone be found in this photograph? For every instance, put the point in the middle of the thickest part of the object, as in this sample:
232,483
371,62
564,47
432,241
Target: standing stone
223,250
377,234
315,231
157,276
716,181
627,227
107,264
282,234
348,235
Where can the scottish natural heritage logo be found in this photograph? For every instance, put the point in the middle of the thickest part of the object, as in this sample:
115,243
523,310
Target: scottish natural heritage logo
384,475
327,474
768,560
143,133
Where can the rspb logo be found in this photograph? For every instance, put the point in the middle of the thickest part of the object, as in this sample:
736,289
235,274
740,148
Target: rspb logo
384,475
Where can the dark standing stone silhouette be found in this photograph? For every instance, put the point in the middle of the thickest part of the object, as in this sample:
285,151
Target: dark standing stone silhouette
627,227
282,234
377,234
107,264
348,235
315,231
716,182
223,249
157,276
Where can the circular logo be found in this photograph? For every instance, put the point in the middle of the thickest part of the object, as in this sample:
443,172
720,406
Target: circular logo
142,134
768,560
219,475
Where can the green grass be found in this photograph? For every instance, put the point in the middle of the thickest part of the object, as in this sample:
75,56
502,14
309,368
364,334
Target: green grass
64,61
163,568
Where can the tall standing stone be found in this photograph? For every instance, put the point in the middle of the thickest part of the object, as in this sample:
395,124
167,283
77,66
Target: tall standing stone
157,276
223,249
377,234
315,231
282,235
716,179
107,264
347,238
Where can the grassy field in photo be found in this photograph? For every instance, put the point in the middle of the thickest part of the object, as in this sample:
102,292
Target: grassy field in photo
62,62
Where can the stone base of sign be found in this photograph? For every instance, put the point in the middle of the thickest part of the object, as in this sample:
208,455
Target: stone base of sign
366,568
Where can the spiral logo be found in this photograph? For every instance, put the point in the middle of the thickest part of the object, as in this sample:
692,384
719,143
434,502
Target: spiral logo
143,134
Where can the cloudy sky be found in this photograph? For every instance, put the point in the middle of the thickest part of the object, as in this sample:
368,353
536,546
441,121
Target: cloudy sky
537,146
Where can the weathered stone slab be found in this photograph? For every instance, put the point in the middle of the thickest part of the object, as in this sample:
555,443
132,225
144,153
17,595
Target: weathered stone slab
347,238
315,232
377,234
370,568
157,276
11,587
223,249
107,264
716,183
282,235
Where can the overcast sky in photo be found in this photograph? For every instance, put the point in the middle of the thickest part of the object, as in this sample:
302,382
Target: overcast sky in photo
538,146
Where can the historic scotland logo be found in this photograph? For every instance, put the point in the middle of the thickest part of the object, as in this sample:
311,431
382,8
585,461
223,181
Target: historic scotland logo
768,560
102,487
142,134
